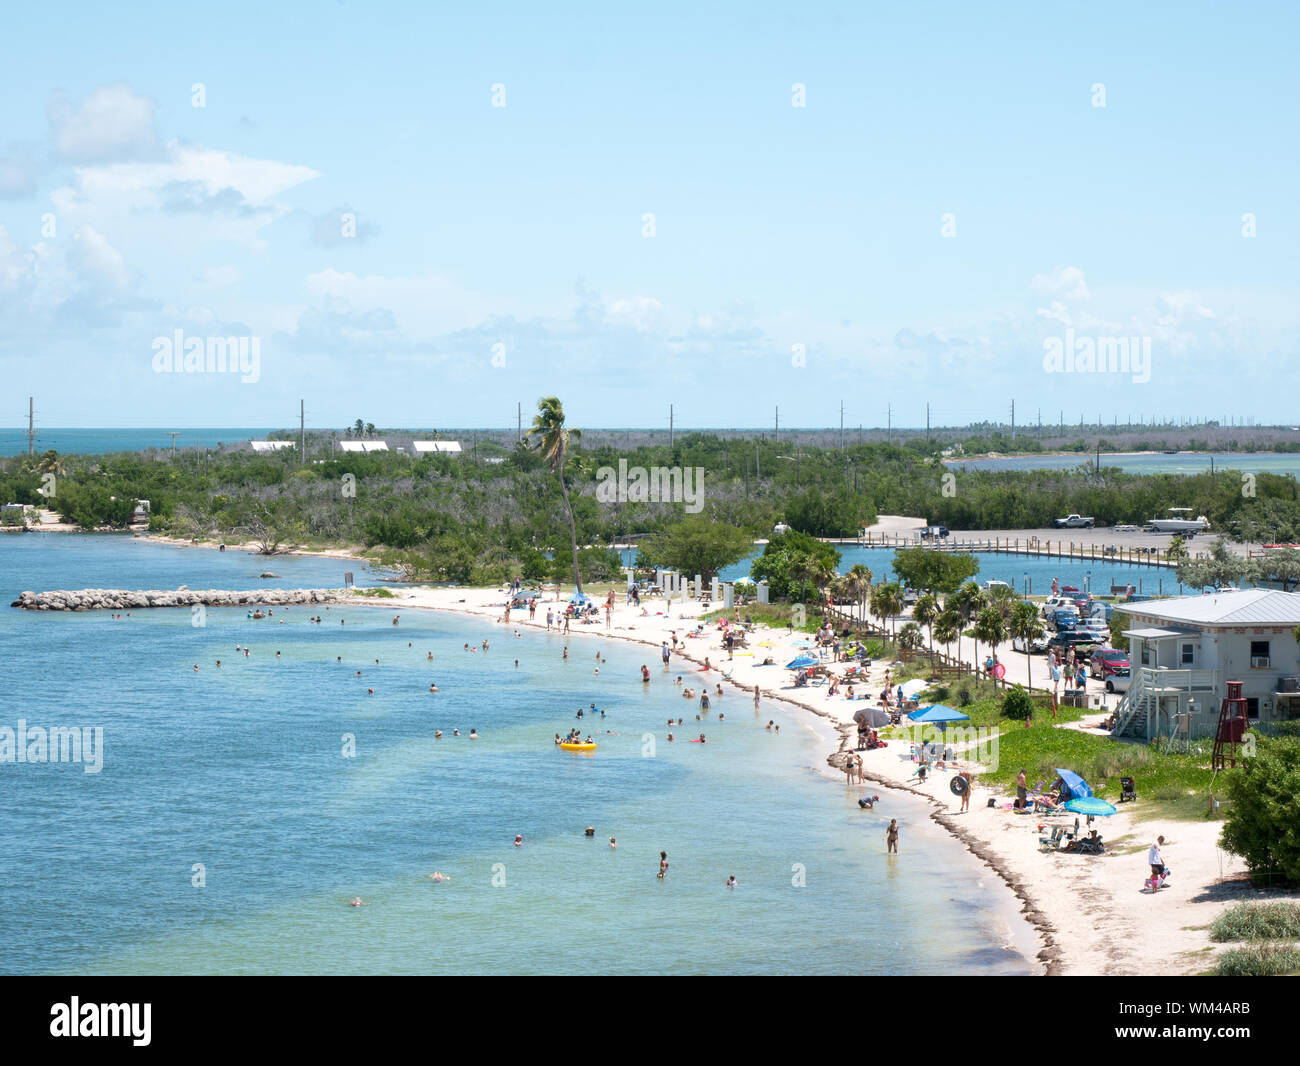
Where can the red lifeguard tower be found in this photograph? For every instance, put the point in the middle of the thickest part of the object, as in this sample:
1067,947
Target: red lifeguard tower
1233,723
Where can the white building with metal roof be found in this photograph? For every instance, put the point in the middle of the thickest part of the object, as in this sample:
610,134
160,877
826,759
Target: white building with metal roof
1185,650
446,447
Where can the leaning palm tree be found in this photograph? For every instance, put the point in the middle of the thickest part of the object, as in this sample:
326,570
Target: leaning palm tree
1027,626
550,438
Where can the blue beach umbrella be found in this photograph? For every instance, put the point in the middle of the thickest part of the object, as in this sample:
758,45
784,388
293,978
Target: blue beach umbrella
801,663
1075,786
938,714
1091,806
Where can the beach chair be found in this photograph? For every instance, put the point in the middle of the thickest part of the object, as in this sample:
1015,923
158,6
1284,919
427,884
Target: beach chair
1053,841
1128,789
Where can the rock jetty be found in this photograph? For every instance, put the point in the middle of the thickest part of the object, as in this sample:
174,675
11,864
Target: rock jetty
130,600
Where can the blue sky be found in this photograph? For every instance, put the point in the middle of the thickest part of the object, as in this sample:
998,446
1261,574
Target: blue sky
522,226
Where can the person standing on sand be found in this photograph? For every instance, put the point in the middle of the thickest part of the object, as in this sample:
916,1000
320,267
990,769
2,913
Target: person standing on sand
1022,791
891,836
965,796
1156,859
757,698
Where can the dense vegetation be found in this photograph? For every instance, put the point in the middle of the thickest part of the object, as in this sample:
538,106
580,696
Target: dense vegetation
463,519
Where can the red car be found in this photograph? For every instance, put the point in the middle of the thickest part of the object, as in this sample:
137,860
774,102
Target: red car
1109,662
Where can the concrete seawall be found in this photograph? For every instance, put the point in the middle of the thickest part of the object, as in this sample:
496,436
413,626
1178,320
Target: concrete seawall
127,599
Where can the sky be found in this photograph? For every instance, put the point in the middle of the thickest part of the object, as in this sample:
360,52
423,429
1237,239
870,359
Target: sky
423,214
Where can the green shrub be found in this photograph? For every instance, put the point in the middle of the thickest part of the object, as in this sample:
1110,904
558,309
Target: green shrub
1264,960
963,696
1018,704
1261,824
1258,921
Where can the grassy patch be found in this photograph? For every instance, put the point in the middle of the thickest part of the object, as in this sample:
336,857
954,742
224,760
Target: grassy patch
1258,921
1262,960
773,615
1174,786
377,594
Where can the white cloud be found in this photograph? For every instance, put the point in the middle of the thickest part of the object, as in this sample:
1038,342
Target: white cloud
1064,283
220,277
99,264
111,124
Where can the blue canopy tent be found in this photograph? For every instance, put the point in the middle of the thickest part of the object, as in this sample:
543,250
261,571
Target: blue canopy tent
937,714
1073,786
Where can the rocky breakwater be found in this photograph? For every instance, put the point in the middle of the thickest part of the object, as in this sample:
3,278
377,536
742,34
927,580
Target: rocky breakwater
130,600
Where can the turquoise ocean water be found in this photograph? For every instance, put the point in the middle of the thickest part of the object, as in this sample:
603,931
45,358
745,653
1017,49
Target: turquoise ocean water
240,769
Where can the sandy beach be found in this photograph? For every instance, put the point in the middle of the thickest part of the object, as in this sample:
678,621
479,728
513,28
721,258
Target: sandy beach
1090,911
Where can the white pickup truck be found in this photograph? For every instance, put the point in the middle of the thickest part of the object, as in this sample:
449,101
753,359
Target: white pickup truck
1074,521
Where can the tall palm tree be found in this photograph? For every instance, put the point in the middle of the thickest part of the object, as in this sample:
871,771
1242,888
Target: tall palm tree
550,438
947,628
858,581
1028,626
359,427
924,612
968,601
991,627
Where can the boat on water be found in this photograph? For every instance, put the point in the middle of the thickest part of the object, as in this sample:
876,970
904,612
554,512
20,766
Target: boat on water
1180,521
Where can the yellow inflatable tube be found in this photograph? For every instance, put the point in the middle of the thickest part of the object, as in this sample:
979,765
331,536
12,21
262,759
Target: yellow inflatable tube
578,747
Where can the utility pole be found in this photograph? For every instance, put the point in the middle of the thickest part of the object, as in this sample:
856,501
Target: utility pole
519,423
302,431
758,464
31,425
889,423
778,425
841,425
1013,419
174,434
927,423
670,427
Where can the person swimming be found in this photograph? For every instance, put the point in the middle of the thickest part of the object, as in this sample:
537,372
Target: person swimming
519,840
433,687
591,831
613,843
438,877
356,902
437,733
473,734
663,864
455,732
731,881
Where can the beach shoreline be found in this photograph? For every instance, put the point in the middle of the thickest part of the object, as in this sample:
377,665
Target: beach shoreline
1089,914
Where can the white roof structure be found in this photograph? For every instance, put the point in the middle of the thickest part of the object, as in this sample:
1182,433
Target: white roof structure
363,446
271,445
1247,607
448,447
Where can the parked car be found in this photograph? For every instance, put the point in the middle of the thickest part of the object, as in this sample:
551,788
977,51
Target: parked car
1063,618
1107,662
1074,521
934,532
1080,643
1037,646
1119,681
1053,602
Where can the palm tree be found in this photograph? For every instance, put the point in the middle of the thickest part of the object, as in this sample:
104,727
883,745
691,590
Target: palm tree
879,605
370,429
50,463
550,438
1027,626
911,637
359,427
968,601
947,628
991,628
924,612
858,582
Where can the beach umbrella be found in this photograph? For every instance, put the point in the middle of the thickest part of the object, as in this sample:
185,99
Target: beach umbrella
1091,806
743,581
1075,786
801,663
938,714
910,688
871,717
